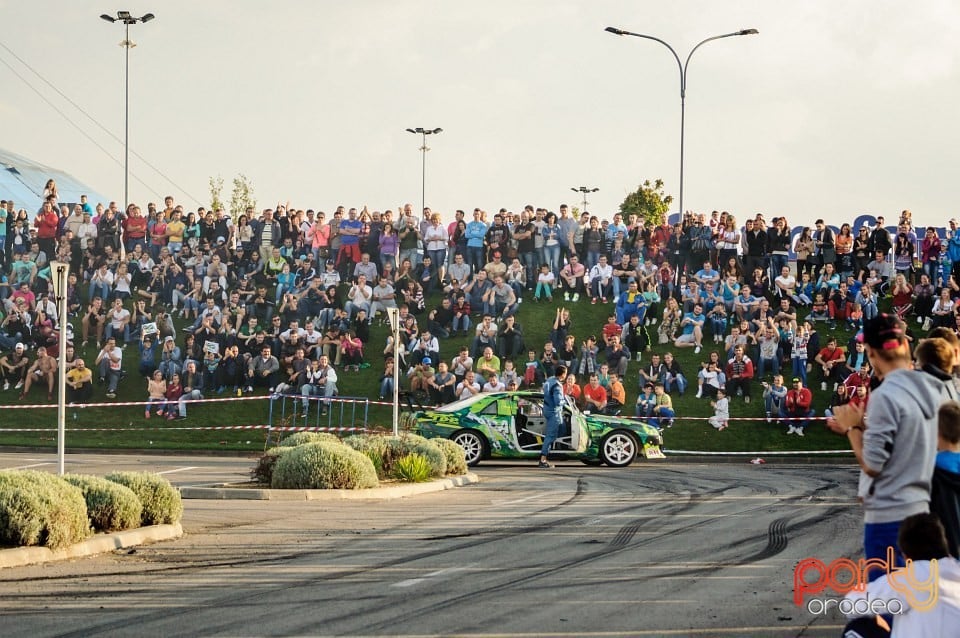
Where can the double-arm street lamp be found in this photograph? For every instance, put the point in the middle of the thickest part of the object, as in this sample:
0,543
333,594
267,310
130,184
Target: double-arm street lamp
126,19
423,149
583,190
682,66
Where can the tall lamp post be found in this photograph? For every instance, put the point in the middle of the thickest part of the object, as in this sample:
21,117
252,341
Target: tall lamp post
424,132
60,271
683,78
127,43
583,190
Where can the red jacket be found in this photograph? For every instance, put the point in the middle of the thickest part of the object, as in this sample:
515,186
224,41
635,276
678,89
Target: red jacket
747,369
47,225
798,401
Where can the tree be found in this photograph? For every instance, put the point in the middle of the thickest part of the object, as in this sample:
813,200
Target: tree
216,189
242,197
648,202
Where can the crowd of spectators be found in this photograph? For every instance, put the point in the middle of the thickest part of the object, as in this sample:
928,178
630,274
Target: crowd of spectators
283,298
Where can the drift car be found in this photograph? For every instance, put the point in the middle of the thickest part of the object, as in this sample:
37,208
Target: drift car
511,425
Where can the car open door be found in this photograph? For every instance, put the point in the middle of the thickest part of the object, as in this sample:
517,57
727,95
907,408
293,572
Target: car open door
577,426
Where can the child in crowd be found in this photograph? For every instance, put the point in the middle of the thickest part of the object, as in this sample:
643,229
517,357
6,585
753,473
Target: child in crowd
662,413
545,283
805,292
352,349
820,311
948,437
718,321
721,411
531,370
386,380
156,393
173,392
509,374
798,352
646,401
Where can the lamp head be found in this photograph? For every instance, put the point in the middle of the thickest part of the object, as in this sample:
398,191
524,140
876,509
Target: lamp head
410,130
123,15
437,130
748,32
615,31
147,17
108,18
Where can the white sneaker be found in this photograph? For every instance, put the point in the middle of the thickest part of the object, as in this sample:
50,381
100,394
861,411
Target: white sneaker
823,386
920,320
697,350
576,296
699,394
653,321
519,300
835,386
566,296
791,430
6,385
799,432
18,386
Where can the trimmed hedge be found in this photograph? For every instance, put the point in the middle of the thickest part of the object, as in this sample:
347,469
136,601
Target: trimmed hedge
301,438
324,465
111,507
37,508
161,500
385,451
456,457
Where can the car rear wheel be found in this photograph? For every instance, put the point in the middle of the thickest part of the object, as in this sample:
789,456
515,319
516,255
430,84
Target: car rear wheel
473,444
618,449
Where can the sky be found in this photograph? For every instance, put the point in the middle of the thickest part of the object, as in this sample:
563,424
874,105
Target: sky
834,109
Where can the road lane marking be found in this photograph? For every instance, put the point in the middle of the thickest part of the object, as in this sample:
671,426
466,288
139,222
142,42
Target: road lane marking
410,582
26,467
179,469
519,500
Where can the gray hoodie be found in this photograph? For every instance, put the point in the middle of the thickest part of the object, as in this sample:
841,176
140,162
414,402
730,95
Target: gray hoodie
900,443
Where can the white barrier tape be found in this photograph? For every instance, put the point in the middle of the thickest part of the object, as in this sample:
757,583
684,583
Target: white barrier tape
116,404
299,428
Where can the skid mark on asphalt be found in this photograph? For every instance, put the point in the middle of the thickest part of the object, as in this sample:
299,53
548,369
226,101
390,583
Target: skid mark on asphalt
434,576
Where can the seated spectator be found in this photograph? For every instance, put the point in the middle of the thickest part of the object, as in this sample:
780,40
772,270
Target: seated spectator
831,362
109,364
796,407
594,395
774,396
442,385
261,372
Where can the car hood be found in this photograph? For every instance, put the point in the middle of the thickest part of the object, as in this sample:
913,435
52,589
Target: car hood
619,422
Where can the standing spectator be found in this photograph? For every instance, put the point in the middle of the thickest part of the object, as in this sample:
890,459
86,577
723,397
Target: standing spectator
825,251
110,366
895,438
739,374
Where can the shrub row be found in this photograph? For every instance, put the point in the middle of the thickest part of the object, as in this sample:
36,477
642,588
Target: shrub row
37,508
320,460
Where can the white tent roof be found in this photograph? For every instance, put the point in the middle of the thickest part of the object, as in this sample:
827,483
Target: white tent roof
22,180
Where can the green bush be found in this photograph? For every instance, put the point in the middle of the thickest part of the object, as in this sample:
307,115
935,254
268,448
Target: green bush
308,437
37,508
413,468
324,465
110,506
385,451
456,458
161,500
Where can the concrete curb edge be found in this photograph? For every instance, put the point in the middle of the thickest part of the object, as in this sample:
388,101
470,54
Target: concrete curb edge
99,544
373,494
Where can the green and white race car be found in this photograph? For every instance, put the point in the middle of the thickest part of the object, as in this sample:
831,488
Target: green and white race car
511,425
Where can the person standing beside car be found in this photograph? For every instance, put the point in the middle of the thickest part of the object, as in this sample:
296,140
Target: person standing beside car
553,402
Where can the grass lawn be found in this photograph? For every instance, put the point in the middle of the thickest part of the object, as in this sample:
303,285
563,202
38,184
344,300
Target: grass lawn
536,321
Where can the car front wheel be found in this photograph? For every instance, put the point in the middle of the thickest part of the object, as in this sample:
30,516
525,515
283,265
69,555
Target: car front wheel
472,443
618,449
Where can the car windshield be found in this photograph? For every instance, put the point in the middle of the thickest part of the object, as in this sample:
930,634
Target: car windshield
462,403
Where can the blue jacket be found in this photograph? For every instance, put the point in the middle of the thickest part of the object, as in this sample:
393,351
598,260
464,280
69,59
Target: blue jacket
552,397
476,231
953,248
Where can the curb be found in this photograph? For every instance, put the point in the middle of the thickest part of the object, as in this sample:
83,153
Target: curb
223,492
99,544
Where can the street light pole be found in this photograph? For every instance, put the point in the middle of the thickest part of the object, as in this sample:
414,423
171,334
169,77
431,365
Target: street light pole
682,67
127,20
424,132
60,270
583,190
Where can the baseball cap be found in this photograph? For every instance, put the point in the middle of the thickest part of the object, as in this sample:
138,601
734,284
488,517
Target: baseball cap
168,338
20,346
427,361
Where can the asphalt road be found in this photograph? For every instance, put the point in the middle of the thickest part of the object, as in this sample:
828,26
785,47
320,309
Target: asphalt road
656,549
